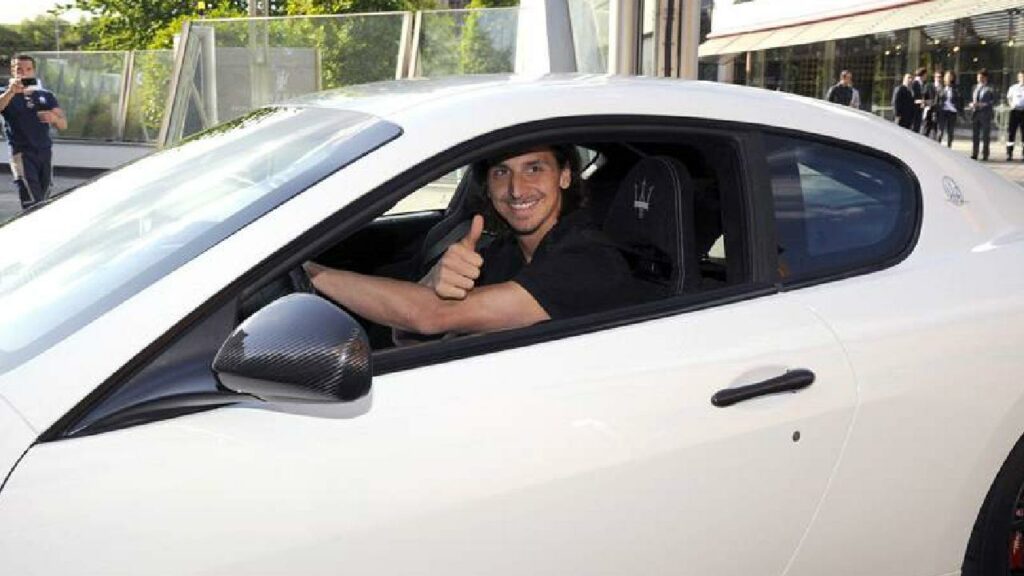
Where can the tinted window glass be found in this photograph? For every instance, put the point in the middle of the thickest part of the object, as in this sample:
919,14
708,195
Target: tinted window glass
836,209
90,249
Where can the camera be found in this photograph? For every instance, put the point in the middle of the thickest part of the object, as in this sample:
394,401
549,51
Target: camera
26,82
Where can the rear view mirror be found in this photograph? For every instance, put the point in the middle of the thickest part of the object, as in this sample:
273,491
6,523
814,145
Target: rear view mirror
299,348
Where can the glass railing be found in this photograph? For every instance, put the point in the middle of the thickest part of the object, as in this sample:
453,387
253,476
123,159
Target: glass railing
89,87
148,88
589,19
230,67
224,68
450,42
109,96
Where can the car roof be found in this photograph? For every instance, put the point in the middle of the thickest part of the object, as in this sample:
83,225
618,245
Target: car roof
520,98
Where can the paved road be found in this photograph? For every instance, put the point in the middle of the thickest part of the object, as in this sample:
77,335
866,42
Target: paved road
9,205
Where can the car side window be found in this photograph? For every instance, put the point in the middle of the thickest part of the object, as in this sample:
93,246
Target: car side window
837,210
434,196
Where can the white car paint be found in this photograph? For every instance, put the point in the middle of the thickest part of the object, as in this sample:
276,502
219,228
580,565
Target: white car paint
598,453
636,463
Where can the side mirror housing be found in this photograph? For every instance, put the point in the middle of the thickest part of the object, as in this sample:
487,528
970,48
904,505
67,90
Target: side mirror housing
298,348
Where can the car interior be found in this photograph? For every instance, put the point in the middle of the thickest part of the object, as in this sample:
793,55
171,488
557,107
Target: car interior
674,206
661,202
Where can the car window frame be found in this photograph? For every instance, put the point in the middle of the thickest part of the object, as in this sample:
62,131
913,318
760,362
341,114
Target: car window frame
373,204
889,259
623,127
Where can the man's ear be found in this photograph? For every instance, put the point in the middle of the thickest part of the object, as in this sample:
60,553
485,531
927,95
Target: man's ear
565,178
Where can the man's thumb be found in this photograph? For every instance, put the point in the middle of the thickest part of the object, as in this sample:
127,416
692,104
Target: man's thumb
476,228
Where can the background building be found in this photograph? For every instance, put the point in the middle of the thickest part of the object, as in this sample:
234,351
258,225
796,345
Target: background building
800,47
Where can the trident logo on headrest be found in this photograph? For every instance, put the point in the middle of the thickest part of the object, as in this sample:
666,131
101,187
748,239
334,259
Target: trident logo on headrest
642,197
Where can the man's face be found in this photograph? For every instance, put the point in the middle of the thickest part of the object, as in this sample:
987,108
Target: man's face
526,190
938,78
23,69
907,79
848,79
981,79
1020,77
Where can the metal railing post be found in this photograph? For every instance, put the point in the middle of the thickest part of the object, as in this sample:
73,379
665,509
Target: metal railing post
127,80
179,61
414,50
405,46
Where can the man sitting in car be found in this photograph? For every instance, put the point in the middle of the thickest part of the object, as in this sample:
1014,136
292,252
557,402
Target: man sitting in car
548,261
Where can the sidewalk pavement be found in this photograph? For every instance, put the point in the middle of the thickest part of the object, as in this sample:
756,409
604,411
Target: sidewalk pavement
1012,171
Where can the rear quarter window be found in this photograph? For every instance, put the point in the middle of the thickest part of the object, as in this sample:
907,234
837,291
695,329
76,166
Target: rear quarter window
837,210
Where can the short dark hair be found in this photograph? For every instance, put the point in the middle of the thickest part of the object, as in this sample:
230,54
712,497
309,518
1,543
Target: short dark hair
983,72
573,197
920,71
17,57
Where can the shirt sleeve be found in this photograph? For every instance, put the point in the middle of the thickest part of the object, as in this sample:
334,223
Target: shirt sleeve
582,274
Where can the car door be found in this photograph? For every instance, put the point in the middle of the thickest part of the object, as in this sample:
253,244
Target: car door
600,453
574,448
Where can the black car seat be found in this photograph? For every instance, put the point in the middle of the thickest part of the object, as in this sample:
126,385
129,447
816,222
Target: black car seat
469,199
651,220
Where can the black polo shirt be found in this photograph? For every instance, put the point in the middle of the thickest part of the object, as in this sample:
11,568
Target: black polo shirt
575,270
22,127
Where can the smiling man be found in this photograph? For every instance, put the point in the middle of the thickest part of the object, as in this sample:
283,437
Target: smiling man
548,260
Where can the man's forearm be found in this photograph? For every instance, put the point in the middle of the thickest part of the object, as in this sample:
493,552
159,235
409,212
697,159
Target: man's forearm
60,120
404,305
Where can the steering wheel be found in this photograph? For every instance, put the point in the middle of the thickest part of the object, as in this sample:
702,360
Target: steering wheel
299,281
295,280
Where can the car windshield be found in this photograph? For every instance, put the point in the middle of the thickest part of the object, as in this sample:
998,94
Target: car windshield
66,263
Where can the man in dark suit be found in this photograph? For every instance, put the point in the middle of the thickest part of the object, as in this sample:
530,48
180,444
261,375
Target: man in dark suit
982,100
903,103
917,89
931,106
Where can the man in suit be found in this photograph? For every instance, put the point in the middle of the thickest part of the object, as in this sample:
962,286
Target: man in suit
917,89
1015,98
950,103
982,100
931,110
903,103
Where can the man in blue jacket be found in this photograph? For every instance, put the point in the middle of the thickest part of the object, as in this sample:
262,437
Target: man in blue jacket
28,112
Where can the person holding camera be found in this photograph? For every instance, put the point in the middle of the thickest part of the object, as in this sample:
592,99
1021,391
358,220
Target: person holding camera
28,112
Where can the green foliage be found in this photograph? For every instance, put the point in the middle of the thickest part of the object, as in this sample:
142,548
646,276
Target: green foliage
481,50
136,24
40,33
164,37
151,84
468,42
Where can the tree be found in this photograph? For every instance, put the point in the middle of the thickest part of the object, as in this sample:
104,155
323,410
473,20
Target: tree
488,41
40,33
135,24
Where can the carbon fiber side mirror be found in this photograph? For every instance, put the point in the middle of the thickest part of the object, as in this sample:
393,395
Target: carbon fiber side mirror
299,348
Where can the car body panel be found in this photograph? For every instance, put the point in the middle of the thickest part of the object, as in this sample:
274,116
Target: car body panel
15,437
620,458
623,456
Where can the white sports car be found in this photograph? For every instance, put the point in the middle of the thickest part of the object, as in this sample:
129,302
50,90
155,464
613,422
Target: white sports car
830,382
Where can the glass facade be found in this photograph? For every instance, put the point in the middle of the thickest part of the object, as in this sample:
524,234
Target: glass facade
878,61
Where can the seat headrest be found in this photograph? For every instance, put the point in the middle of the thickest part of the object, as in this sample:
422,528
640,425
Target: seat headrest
651,220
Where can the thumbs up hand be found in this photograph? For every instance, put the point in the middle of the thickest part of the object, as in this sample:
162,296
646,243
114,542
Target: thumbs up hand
454,275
